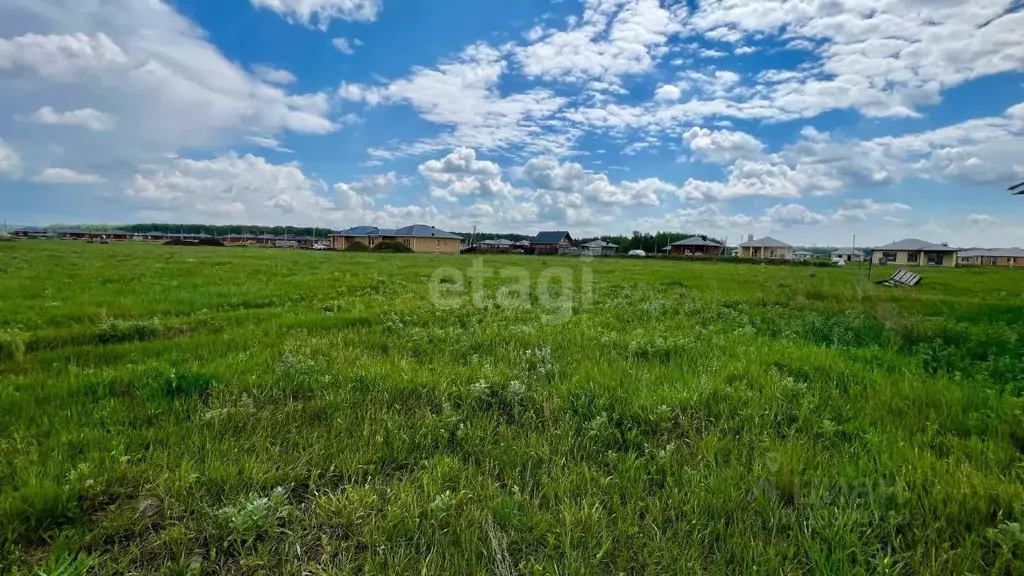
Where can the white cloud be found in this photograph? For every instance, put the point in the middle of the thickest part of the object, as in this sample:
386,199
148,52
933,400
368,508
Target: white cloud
231,189
667,93
378,185
343,45
982,219
461,174
861,209
614,38
765,178
273,75
722,146
66,176
268,142
85,117
169,86
793,215
572,179
307,12
10,161
61,56
463,93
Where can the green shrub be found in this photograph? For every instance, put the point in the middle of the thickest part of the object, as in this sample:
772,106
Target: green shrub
357,247
394,247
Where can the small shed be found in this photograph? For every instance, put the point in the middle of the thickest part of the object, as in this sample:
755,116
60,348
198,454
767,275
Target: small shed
598,248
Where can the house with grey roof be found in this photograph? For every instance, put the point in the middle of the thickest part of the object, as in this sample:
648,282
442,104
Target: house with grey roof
695,246
803,255
849,255
551,242
1008,257
495,245
419,237
598,248
915,252
766,248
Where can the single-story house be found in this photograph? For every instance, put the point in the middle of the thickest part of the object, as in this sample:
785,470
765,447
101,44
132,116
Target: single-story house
266,239
495,245
914,252
598,248
118,235
802,255
695,246
551,242
1010,257
75,233
849,254
243,238
766,248
522,244
31,232
419,237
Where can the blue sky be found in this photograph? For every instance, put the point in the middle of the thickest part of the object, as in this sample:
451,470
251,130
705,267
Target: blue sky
809,120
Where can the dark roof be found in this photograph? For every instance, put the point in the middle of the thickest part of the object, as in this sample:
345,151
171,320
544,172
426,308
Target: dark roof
154,234
119,232
551,237
695,241
915,245
415,230
266,237
766,242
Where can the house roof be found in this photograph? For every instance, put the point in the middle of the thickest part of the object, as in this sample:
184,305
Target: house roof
847,252
915,245
523,243
550,237
994,252
766,242
266,237
498,242
803,253
696,241
415,230
119,232
600,244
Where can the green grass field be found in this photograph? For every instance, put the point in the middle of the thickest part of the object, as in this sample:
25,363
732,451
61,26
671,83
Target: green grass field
173,410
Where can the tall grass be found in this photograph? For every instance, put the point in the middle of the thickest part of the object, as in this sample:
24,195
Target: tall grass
214,411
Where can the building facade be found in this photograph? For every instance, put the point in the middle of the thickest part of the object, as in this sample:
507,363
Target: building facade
766,248
915,252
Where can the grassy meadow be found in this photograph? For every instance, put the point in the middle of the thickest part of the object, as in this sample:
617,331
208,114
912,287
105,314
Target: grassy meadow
177,410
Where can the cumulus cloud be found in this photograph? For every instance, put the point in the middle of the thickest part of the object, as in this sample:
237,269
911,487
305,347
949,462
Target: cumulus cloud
765,178
231,189
614,38
462,93
667,93
66,176
722,146
10,161
461,174
793,215
273,75
321,12
61,56
170,87
85,117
